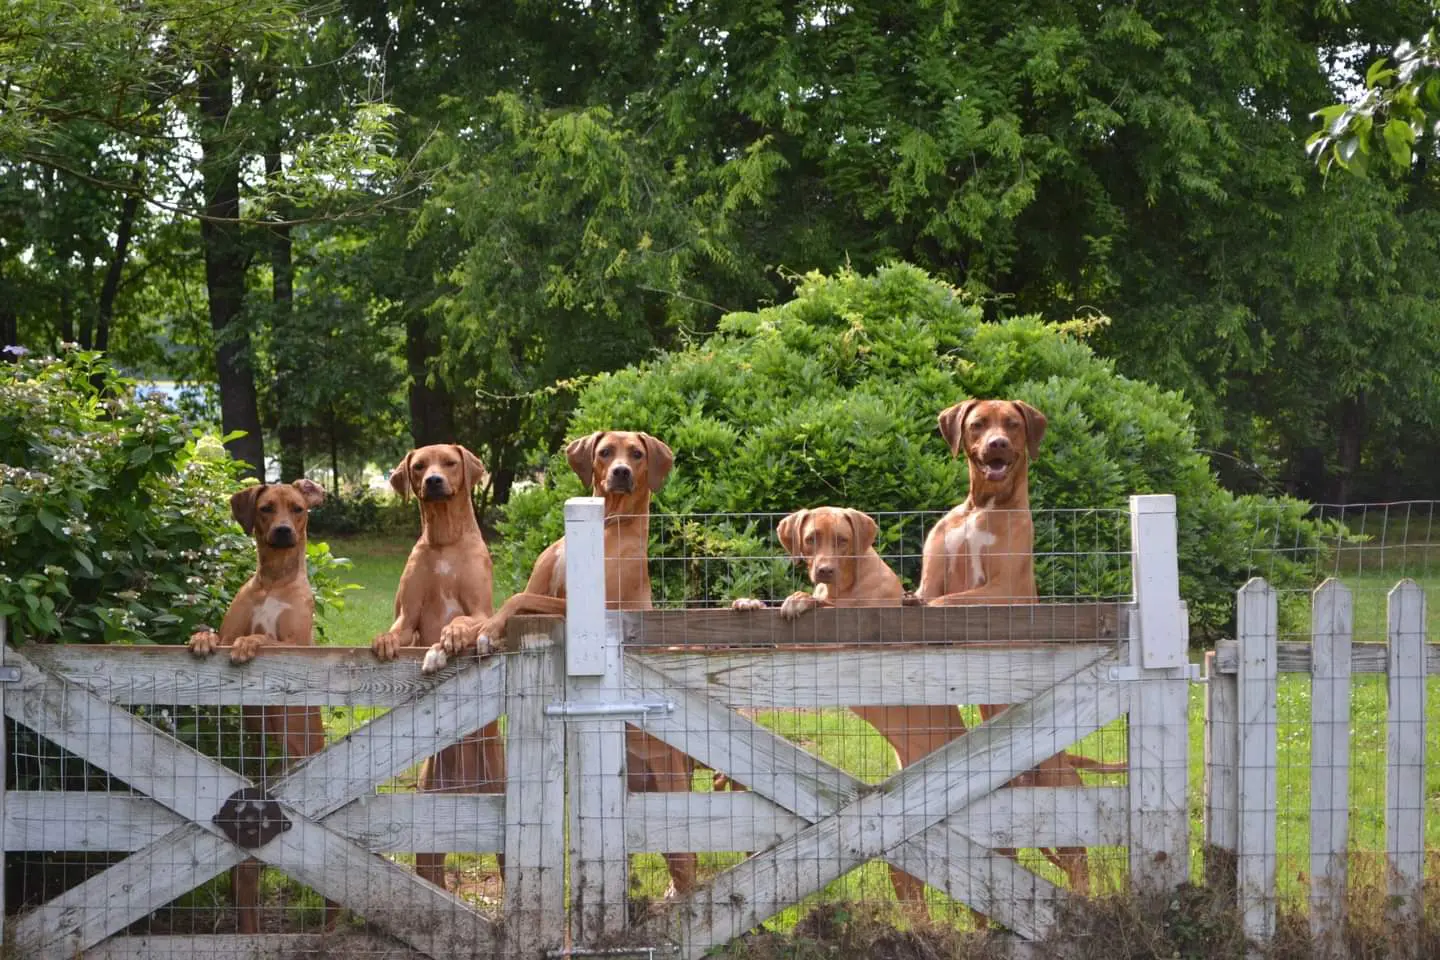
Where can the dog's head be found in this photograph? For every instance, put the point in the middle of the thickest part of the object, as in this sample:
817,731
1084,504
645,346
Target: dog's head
616,462
995,435
831,541
277,513
437,472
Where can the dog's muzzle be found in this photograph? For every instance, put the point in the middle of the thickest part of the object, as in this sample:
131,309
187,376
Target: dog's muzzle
281,537
620,479
436,488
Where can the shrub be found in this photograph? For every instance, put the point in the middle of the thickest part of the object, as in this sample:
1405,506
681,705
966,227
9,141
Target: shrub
832,397
115,520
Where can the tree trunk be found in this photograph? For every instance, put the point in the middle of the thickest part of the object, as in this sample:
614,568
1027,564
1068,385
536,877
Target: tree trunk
432,409
1350,444
105,311
67,320
225,263
291,428
334,454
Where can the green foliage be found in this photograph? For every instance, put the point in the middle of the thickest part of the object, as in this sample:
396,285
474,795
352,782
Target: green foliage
1399,105
115,522
831,399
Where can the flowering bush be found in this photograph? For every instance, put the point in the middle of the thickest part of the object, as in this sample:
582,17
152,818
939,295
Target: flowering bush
115,521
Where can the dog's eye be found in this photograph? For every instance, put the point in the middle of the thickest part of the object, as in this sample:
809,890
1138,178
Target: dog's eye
449,463
636,454
809,539
1012,424
605,452
296,508
842,541
268,508
418,468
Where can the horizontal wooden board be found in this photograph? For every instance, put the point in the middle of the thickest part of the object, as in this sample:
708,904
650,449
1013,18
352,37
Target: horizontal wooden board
1022,817
1297,657
270,946
894,676
280,676
384,823
1009,623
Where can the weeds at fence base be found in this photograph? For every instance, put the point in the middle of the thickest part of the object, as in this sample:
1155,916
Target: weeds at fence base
1192,923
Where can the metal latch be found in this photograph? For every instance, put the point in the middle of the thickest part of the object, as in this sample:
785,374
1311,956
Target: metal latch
9,674
1130,674
585,710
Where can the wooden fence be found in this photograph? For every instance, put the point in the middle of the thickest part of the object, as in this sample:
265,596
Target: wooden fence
1241,731
691,679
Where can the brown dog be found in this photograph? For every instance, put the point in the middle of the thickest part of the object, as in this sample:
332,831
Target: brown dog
446,580
838,548
624,468
275,606
981,552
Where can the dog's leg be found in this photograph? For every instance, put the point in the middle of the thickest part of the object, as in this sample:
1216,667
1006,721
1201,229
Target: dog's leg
655,766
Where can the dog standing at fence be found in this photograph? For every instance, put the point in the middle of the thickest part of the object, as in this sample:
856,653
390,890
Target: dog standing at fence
275,607
982,552
447,581
837,546
624,469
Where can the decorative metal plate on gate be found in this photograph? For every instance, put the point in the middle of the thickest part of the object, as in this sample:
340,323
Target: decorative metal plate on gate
251,818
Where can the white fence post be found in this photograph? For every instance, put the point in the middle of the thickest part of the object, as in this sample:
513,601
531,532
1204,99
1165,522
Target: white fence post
1222,775
1331,627
595,748
1256,688
534,798
1159,703
1405,764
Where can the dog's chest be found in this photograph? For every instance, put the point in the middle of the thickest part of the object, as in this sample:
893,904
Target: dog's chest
265,618
965,545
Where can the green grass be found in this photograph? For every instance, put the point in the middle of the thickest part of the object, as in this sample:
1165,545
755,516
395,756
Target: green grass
843,739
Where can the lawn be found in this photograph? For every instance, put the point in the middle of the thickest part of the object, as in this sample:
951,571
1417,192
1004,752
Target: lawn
841,738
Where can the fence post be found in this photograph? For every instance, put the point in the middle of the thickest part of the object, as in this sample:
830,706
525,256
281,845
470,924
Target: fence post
1222,776
1256,625
4,772
1159,703
1405,765
535,797
1331,621
595,748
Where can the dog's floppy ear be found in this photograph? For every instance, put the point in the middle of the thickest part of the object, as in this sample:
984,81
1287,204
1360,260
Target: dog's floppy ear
1034,426
400,478
952,424
474,469
313,493
659,460
865,529
581,454
788,531
242,506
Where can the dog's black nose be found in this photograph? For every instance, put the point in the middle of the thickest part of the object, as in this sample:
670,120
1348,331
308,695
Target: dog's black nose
434,481
282,537
998,442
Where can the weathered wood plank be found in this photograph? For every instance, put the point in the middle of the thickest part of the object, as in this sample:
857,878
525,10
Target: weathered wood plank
279,676
1257,689
1222,776
1331,627
68,925
1405,765
397,740
383,823
888,820
722,822
1014,623
271,946
1155,576
1298,657
534,804
893,676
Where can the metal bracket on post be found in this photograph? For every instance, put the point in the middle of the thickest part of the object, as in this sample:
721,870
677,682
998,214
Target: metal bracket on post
581,710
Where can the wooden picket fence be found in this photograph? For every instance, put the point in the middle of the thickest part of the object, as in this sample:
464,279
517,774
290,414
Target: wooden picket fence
1241,772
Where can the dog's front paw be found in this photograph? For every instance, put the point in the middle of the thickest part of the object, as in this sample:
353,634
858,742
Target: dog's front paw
244,648
458,635
908,599
387,646
204,641
796,604
435,659
747,603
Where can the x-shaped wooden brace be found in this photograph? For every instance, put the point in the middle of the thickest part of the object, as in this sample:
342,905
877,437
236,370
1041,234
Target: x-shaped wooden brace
903,820
195,786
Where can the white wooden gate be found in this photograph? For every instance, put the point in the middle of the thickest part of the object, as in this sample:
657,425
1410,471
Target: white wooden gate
1068,669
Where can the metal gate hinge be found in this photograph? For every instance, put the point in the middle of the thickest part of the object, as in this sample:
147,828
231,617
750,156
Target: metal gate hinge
1128,674
9,674
585,710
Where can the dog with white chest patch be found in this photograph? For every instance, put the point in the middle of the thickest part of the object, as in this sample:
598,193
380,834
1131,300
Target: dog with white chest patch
447,582
275,607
